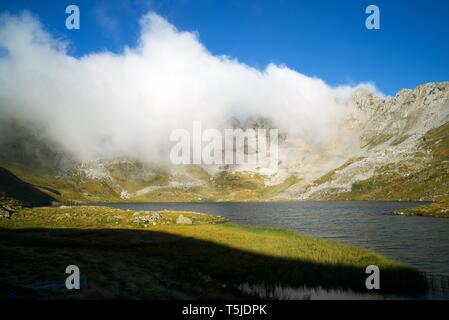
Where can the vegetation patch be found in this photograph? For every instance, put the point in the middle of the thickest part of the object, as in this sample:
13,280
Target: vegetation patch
123,254
440,208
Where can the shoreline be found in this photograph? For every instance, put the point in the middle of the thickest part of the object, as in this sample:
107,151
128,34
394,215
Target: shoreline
223,252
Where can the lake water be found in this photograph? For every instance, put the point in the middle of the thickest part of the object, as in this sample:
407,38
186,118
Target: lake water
418,241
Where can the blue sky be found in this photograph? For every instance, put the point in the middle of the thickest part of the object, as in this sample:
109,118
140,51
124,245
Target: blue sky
327,39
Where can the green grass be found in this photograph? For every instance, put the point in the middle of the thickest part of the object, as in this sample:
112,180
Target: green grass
246,186
208,259
95,217
227,186
333,173
374,140
440,209
425,177
64,188
73,187
422,177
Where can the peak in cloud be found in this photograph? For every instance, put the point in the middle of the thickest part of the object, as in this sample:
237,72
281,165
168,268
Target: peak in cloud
108,105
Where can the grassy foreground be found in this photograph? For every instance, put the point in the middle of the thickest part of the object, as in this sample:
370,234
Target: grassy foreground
439,209
126,254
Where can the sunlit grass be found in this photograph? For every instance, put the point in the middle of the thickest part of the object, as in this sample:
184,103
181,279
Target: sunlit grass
440,208
206,259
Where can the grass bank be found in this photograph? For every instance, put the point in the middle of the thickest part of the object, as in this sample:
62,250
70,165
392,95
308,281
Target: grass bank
439,208
126,254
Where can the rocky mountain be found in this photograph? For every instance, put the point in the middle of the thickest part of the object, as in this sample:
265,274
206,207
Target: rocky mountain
404,149
394,148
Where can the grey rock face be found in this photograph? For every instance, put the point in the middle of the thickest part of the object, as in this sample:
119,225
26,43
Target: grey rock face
391,137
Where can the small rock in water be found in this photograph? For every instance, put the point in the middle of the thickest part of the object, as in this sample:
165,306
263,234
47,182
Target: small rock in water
183,220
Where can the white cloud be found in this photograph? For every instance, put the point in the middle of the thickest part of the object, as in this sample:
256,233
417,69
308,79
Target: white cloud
106,105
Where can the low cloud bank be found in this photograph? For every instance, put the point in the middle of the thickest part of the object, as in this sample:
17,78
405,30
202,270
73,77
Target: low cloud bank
106,105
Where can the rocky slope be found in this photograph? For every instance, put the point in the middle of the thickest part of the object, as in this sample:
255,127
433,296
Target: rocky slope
404,152
394,148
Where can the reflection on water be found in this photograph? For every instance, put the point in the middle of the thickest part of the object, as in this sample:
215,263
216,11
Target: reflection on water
304,293
279,292
418,241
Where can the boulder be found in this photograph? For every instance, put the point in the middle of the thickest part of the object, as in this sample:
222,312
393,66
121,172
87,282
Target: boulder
146,217
4,213
183,220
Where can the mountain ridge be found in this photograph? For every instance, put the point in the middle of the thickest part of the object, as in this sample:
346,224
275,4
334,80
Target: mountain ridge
392,148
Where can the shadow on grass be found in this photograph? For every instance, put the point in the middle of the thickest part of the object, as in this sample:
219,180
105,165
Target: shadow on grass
26,193
117,263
